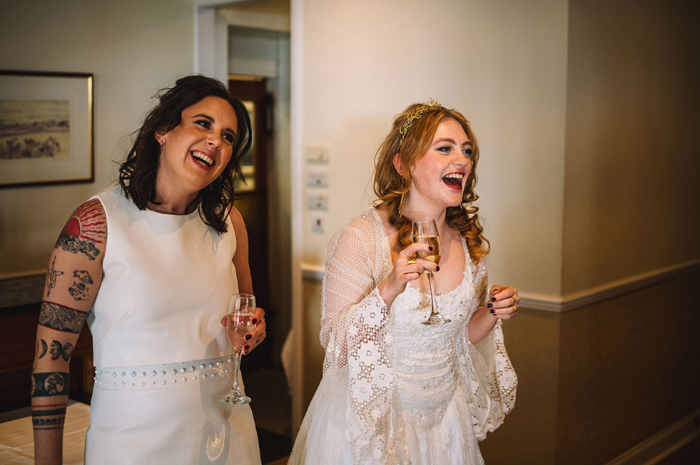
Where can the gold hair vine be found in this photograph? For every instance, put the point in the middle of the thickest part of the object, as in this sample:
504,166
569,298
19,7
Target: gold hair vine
416,114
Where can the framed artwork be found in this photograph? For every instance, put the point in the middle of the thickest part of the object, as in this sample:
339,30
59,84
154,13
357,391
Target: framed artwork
46,129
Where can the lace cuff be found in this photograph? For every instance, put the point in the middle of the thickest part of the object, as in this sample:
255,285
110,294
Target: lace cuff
489,381
375,422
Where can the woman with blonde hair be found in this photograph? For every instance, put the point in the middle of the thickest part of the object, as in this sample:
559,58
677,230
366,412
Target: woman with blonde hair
394,390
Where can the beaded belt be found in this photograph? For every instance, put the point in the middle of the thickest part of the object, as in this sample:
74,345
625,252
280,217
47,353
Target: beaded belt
164,375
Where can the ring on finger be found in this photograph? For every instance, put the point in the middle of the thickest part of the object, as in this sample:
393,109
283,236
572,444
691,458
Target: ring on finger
411,260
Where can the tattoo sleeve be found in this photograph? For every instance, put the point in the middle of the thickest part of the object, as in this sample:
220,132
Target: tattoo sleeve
84,229
50,384
61,318
41,348
51,275
50,416
67,351
56,350
81,285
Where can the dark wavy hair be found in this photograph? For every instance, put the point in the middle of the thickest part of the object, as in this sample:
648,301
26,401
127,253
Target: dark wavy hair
137,174
389,185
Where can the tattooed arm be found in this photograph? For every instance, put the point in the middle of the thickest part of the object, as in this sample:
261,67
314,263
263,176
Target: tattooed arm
72,281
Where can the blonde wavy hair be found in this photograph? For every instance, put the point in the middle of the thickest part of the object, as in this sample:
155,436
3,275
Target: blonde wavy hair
389,185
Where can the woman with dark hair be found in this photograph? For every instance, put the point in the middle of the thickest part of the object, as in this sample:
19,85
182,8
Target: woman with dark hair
151,265
394,390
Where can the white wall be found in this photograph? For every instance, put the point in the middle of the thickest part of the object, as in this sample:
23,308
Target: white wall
502,63
133,48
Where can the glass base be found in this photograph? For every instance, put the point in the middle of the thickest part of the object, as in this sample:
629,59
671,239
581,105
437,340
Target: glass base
436,320
235,398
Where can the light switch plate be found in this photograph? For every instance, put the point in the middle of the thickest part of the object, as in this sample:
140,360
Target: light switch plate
317,200
318,222
317,177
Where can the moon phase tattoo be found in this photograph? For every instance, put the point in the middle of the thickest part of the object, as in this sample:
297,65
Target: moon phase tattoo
83,229
56,350
67,351
51,275
50,384
61,318
41,348
81,285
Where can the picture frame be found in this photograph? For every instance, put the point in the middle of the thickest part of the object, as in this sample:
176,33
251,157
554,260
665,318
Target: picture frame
46,128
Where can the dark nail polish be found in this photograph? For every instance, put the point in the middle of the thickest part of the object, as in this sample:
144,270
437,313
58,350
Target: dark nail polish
246,349
430,247
489,305
247,337
254,321
493,299
438,268
493,312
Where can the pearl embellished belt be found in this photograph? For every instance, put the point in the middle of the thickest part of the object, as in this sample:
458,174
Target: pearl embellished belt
164,375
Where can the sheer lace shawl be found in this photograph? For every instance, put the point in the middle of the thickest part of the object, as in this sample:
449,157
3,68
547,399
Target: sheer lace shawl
358,387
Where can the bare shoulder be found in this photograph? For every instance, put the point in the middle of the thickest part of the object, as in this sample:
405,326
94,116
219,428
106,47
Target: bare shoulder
236,220
85,232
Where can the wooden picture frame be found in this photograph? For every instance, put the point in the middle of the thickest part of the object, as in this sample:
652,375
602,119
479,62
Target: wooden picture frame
46,128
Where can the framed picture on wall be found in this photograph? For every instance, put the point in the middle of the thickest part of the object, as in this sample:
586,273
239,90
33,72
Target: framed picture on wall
46,133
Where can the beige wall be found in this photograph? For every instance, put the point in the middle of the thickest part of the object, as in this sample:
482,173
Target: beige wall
133,48
632,185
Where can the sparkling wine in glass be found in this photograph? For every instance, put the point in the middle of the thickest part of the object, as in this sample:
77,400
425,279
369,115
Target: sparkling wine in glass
238,324
427,232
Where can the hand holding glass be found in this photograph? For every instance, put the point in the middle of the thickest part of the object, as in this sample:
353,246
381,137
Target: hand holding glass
427,232
238,324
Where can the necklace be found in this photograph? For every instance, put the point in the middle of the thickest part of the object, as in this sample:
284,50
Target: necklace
163,209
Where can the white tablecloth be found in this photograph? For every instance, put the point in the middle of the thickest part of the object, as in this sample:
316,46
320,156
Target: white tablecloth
17,440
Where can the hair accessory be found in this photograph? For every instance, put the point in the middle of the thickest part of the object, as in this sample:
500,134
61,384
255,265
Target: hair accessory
415,115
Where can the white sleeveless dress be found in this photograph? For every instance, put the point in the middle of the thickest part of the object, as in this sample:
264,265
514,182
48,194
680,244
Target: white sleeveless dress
162,357
395,391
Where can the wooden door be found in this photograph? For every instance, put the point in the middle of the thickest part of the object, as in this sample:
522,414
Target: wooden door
251,201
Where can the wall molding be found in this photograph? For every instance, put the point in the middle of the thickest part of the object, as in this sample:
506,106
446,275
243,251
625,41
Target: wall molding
664,443
576,300
312,272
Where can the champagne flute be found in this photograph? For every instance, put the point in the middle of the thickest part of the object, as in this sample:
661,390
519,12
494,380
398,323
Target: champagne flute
239,323
427,232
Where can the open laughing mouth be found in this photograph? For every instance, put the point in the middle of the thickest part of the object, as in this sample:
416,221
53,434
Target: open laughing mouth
453,180
203,159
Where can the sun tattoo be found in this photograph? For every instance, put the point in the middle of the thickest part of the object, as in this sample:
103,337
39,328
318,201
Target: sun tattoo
85,227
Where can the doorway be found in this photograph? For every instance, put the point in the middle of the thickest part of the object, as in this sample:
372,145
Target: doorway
259,75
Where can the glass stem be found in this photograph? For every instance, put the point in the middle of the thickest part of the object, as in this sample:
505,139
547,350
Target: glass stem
433,309
236,367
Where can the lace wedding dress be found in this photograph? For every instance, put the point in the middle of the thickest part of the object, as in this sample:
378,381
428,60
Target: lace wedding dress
395,391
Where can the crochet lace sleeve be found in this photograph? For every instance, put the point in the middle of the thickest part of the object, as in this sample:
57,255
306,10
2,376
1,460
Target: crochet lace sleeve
356,333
